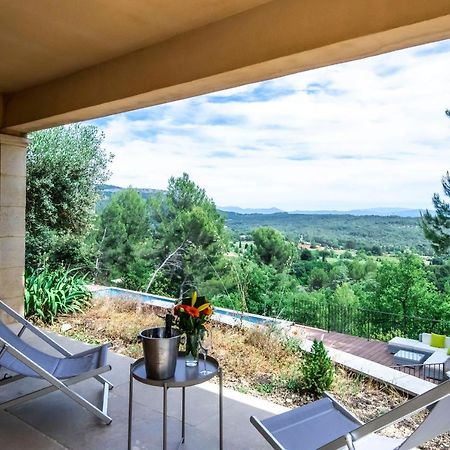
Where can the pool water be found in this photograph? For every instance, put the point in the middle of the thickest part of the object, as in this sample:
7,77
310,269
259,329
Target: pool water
221,314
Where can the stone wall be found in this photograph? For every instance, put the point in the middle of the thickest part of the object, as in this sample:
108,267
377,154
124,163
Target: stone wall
12,219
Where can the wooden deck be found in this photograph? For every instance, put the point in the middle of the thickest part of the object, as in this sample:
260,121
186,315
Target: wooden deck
372,350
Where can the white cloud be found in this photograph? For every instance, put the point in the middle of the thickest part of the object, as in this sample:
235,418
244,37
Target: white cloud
362,134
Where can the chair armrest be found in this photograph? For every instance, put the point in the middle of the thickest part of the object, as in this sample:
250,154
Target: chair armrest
91,350
29,326
268,436
399,413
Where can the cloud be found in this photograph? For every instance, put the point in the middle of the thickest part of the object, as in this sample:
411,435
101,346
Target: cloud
222,154
259,92
366,133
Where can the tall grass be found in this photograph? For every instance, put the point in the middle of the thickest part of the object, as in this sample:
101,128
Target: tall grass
49,292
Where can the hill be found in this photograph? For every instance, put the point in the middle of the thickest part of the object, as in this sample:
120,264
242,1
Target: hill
399,212
238,210
347,231
108,190
352,229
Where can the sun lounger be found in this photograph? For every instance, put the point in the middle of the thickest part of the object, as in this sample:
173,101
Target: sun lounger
61,372
326,425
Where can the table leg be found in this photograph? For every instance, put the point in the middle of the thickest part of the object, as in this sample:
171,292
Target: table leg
165,417
183,415
220,409
130,409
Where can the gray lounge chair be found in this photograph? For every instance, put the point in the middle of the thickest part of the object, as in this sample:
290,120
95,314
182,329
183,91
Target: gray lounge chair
327,425
60,372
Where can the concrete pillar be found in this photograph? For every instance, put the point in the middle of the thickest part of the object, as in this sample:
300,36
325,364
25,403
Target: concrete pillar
12,219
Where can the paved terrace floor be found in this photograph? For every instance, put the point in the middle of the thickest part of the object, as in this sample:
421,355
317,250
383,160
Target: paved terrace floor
55,422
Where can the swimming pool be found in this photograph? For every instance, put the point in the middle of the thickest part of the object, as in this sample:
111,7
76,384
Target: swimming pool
223,315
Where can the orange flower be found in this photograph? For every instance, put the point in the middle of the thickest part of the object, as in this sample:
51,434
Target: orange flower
191,310
207,311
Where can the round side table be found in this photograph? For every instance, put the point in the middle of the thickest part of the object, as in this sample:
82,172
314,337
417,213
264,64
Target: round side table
183,378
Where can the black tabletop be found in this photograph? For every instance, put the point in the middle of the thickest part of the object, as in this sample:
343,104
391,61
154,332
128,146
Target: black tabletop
184,376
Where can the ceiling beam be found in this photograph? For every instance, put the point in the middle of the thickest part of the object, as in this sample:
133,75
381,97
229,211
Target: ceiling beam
274,39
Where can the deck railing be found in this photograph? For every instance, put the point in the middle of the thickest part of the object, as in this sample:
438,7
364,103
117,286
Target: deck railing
434,373
361,322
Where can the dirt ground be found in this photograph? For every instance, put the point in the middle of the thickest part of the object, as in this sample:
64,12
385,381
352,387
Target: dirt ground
259,362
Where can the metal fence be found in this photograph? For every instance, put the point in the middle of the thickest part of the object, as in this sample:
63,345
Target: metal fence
434,373
361,322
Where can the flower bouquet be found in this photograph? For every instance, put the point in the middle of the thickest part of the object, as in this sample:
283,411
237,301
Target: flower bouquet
191,317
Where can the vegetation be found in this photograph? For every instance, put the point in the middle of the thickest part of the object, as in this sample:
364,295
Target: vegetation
272,248
436,227
351,291
372,234
370,275
107,191
124,240
317,370
50,292
188,234
64,167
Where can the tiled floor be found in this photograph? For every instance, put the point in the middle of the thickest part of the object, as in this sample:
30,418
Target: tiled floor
56,422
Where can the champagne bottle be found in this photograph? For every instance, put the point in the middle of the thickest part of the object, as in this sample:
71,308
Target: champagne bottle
168,330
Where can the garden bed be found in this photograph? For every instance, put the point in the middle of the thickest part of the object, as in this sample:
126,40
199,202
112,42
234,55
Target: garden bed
256,361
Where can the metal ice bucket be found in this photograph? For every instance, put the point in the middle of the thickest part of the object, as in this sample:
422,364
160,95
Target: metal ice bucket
160,353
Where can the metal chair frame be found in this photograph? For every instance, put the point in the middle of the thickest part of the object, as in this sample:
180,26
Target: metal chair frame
55,383
436,423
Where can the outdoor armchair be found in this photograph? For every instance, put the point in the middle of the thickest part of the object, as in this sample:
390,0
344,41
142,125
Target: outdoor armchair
326,425
60,372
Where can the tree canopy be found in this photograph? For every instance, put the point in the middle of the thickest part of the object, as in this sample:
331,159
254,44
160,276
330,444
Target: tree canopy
64,167
272,247
188,232
124,239
436,227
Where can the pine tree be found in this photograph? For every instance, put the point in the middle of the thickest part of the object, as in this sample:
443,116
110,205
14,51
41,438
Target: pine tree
317,370
436,227
125,240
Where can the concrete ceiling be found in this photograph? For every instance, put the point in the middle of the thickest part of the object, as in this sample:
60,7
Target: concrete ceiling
63,61
41,40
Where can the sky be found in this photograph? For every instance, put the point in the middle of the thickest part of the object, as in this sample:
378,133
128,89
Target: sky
364,134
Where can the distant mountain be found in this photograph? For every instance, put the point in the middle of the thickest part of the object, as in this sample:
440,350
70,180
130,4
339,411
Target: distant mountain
108,190
236,209
384,212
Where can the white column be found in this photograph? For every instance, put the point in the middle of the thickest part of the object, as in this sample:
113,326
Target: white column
12,219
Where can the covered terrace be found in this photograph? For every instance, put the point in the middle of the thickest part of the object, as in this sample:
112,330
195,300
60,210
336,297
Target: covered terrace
63,62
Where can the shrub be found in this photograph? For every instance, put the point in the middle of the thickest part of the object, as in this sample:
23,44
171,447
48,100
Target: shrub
265,388
386,336
49,292
317,370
